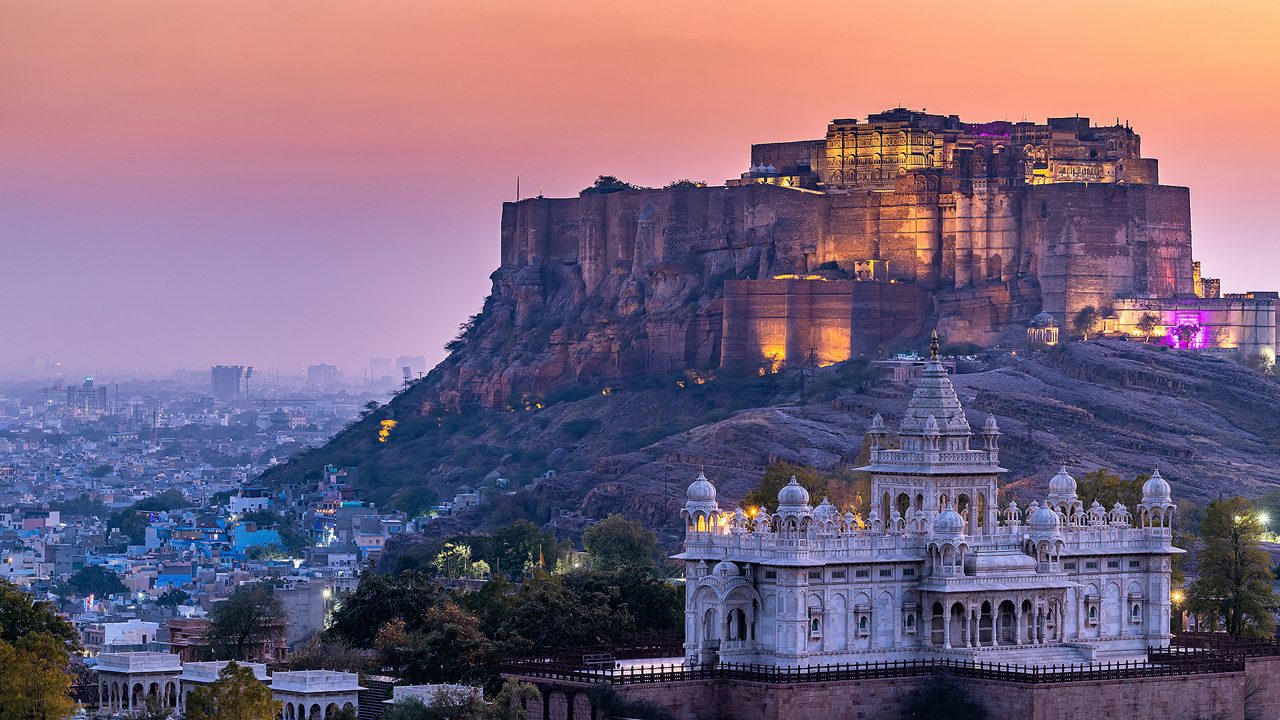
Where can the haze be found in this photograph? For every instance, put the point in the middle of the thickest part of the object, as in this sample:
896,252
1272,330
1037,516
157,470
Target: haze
307,181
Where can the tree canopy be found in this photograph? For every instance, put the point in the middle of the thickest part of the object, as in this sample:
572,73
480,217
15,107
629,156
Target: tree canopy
616,542
1107,487
252,616
34,651
1234,589
1086,321
236,695
95,580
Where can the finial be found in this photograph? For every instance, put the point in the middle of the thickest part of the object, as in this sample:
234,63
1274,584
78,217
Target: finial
933,345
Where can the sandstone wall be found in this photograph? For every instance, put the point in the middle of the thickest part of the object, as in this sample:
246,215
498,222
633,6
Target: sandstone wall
1091,242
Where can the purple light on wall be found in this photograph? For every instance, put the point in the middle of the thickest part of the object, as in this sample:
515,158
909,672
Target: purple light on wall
1187,333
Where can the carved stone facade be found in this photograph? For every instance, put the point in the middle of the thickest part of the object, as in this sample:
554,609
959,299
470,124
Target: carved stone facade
936,568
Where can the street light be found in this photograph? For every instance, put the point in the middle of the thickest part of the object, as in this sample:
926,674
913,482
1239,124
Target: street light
1264,517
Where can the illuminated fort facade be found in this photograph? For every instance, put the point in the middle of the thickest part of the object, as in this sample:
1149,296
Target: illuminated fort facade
868,236
937,568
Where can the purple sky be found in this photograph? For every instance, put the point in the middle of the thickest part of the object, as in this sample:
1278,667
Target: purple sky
309,181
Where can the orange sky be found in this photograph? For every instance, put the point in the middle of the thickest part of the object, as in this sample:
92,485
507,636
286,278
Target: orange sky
296,181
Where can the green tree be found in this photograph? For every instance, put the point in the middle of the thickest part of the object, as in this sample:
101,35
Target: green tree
170,499
513,698
1086,321
448,647
1147,324
319,654
616,542
173,597
236,695
34,682
1234,589
522,546
378,600
21,615
95,580
251,617
779,474
1106,487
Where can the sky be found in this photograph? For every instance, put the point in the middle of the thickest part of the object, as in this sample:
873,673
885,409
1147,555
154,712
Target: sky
292,182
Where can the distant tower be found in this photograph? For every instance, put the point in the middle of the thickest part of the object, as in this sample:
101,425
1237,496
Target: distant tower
225,381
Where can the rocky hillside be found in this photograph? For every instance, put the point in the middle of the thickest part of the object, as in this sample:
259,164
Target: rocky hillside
1210,425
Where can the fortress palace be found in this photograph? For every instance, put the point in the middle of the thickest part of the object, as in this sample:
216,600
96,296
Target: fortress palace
865,238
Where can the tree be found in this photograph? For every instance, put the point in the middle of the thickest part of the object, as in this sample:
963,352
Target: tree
1147,324
252,617
606,184
448,647
616,542
378,600
522,546
1086,321
21,615
34,682
173,597
236,695
1234,590
170,499
1106,487
318,654
95,580
513,699
779,474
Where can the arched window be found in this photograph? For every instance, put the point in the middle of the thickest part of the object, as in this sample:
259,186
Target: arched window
1093,612
1136,612
911,621
815,626
862,623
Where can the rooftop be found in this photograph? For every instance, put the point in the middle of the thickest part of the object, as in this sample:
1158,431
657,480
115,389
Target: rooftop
139,662
315,681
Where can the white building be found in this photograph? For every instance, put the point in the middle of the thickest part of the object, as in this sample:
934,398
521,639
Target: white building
127,680
315,694
197,674
937,569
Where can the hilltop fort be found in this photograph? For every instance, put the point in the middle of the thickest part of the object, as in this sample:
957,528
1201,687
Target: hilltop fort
860,241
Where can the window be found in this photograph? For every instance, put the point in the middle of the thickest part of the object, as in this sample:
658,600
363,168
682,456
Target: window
770,574
862,573
1135,612
1091,565
1135,564
1113,564
862,624
911,623
837,575
886,572
815,627
908,572
1093,613
815,574
1069,566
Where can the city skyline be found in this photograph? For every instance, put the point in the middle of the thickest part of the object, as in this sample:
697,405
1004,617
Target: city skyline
274,188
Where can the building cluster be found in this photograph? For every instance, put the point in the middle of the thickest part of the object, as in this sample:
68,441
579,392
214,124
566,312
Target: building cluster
936,569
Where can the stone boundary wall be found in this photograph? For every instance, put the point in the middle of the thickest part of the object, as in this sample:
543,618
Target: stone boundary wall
1201,697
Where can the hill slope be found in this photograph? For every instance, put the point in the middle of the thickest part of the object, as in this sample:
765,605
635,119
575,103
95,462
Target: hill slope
1210,425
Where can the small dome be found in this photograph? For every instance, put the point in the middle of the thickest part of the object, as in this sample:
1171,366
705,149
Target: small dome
825,510
1042,518
1062,483
793,493
1044,318
948,522
724,568
877,423
701,490
990,425
1156,489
